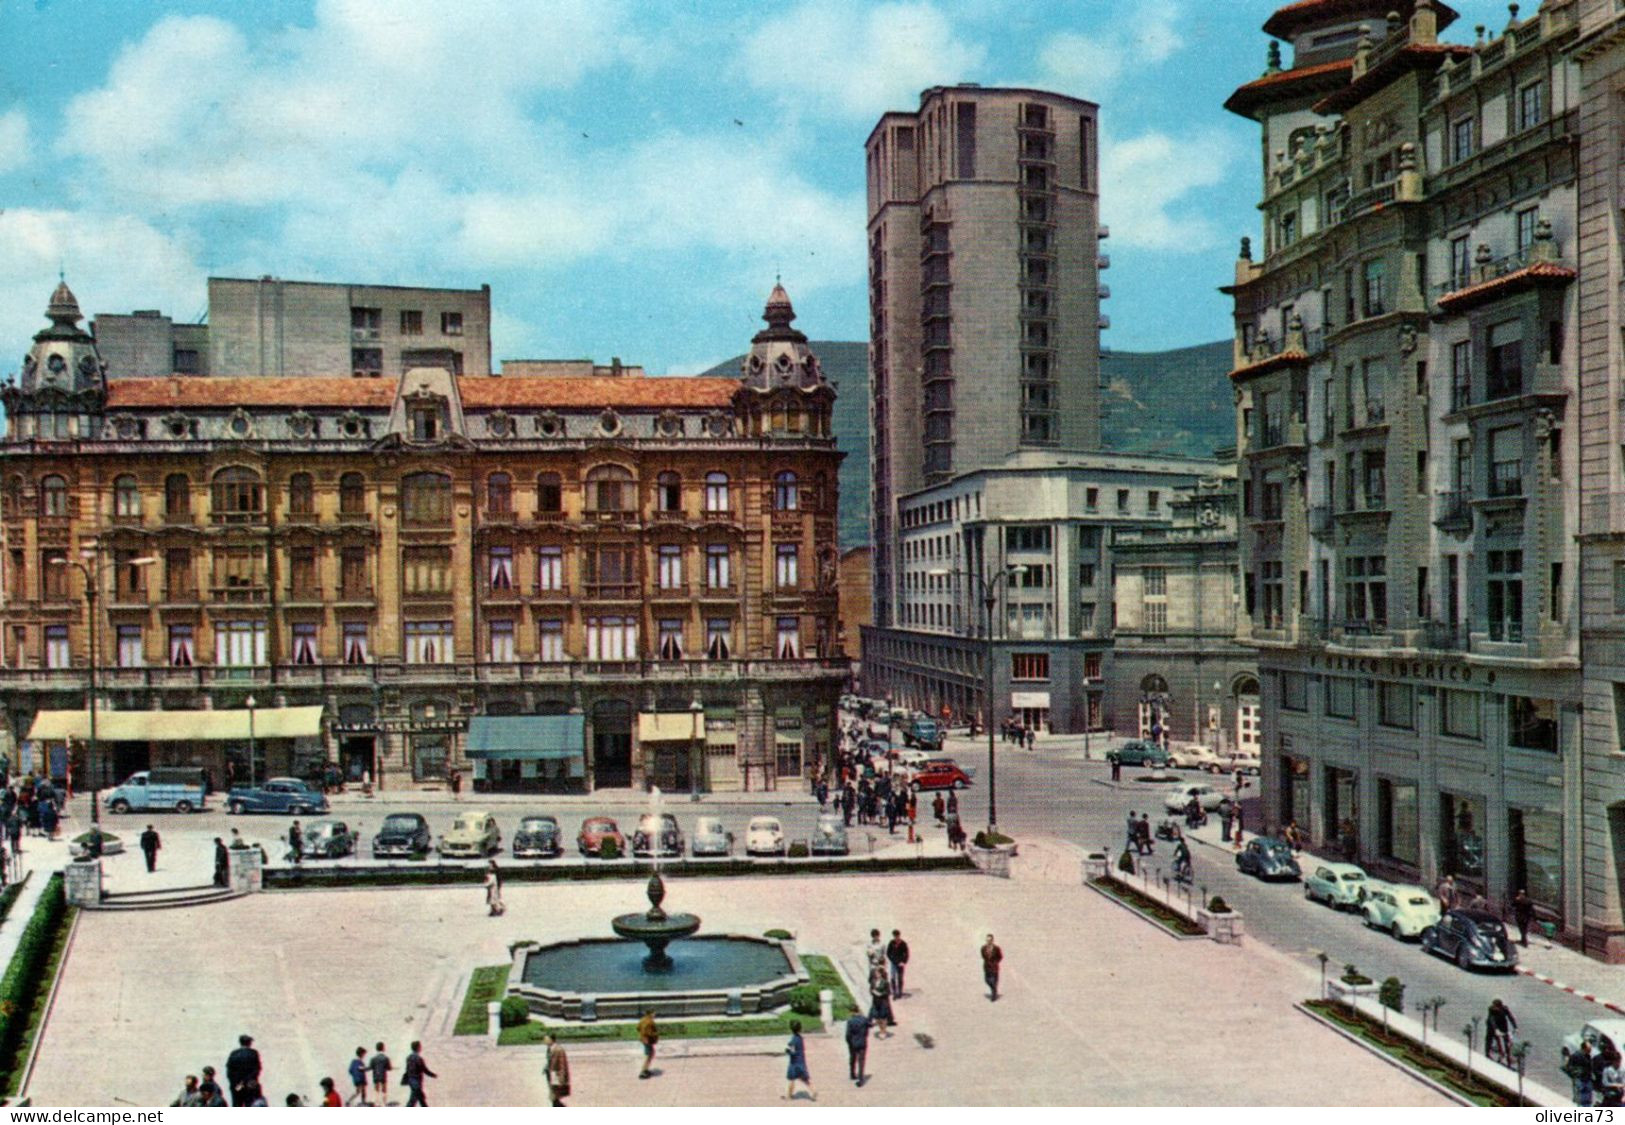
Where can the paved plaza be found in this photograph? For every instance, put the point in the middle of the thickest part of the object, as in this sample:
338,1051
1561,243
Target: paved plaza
1098,1007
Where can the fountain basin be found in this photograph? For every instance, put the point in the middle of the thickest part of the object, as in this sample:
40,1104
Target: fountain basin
605,978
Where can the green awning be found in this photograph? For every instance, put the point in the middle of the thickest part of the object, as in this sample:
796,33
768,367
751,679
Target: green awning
527,737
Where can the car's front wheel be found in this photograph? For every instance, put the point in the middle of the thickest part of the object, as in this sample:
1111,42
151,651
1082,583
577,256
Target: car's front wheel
298,810
1430,938
1398,934
120,806
1463,959
958,784
180,806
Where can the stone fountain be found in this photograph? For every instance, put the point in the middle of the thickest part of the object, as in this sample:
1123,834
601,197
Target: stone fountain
655,928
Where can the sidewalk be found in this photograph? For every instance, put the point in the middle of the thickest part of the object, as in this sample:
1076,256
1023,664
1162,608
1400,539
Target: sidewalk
598,799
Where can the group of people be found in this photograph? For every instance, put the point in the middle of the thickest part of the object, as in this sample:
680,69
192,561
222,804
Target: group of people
1015,731
1595,1075
244,1085
30,806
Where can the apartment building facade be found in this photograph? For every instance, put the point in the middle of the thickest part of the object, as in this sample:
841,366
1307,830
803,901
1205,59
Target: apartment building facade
1408,425
551,583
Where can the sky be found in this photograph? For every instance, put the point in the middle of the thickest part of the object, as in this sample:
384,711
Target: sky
628,177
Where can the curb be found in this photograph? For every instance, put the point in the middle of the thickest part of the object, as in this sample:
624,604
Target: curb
50,1007
1570,989
1437,1087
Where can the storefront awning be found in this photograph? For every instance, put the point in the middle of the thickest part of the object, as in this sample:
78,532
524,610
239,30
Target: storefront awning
671,726
526,737
178,726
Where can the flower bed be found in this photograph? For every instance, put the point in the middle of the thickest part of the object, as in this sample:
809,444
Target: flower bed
1413,1055
1157,913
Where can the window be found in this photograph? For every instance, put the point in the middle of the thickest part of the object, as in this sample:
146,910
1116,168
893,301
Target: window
54,496
304,642
1372,389
53,575
1503,359
612,638
238,494
1459,713
550,644
610,489
1461,262
364,323
1152,499
366,363
352,494
1619,587
355,643
1506,461
1555,609
1122,499
1086,574
550,568
1531,105
1091,499
177,497
353,581
501,632
669,492
1399,836
786,492
1396,705
179,585
1029,666
716,492
429,642
1294,691
1424,595
1339,697
127,497
425,423
669,566
182,654
499,568
302,571
1272,593
239,572
549,493
1526,228
239,644
1375,291
1027,538
499,494
411,322
1461,139
1536,855
671,638
1505,600
1365,589
1374,464
451,324
788,643
718,638
426,499
1421,472
1091,666
717,576
301,495
426,570
128,649
1532,723
611,571
788,569
185,361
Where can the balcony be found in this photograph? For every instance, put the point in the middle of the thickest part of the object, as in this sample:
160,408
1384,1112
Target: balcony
230,517
1506,480
1452,511
545,515
1443,636
612,591
669,515
303,594
179,517
183,593
301,518
500,517
240,594
724,515
354,515
1319,519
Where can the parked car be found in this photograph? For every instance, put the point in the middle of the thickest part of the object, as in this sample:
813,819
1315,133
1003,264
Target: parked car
537,837
1265,857
764,836
327,839
1603,1035
1139,754
1210,799
402,835
1336,884
1475,938
710,838
657,834
924,733
968,771
939,775
1230,763
594,831
1403,909
278,795
1191,757
473,834
912,759
161,788
829,837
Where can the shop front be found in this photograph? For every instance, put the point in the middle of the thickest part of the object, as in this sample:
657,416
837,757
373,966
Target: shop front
672,745
1030,709
528,753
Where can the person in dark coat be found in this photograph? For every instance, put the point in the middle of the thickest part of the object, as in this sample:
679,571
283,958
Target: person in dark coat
1523,913
857,1045
412,1076
222,863
897,958
243,1071
150,843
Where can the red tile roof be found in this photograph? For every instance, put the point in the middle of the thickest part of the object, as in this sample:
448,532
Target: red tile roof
1300,80
1270,363
1537,273
1293,18
478,392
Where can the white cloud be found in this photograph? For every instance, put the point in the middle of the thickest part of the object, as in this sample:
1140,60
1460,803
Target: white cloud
13,139
1090,65
1150,188
858,60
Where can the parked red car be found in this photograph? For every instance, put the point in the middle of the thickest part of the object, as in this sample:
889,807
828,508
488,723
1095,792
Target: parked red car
594,831
939,775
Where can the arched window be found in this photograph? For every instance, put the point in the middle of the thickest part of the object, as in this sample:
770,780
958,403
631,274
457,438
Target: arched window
177,497
716,492
238,493
786,492
669,492
499,494
353,494
609,489
127,497
301,495
549,494
54,496
426,499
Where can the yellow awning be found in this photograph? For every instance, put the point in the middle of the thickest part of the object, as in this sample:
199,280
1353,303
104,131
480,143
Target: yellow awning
178,726
671,726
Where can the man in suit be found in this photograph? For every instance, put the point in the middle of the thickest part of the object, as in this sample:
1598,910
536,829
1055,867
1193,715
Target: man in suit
415,1071
243,1071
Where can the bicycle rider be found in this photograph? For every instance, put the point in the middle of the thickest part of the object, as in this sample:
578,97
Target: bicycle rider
1182,858
1498,1027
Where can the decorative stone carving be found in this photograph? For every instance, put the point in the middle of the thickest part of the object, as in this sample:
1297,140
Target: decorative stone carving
609,422
499,424
352,425
177,425
240,425
302,425
549,425
669,424
719,425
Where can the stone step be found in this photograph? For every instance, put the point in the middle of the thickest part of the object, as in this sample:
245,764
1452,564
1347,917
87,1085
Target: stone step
163,892
164,900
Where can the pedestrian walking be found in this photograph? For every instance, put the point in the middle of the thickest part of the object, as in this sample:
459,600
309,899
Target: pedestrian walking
648,1035
150,843
456,785
558,1072
493,891
857,1046
897,958
1523,913
1578,1069
1235,827
48,819
222,863
937,807
1146,845
358,1078
1032,737
992,959
796,1051
296,842
380,1066
1117,767
242,1068
1133,830
880,1010
14,830
415,1072
1446,892
330,1096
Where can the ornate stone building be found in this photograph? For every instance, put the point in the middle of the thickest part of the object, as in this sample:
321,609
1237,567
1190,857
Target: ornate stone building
548,582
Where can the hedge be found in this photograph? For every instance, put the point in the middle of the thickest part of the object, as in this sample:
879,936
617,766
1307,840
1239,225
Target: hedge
25,983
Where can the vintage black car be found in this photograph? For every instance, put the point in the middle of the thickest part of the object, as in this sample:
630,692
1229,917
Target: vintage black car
657,835
538,837
1265,857
1476,939
402,836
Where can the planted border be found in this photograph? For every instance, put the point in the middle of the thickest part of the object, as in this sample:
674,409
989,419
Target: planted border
1153,911
27,982
488,983
1413,1055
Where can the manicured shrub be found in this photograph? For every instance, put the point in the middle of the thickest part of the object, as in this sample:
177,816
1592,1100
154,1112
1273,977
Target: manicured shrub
799,850
515,1012
804,1000
1217,905
609,849
986,839
1352,975
1125,862
1392,994
779,935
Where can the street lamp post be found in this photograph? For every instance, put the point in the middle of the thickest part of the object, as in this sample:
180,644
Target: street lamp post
249,703
90,570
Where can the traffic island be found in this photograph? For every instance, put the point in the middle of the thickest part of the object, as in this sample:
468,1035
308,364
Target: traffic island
1160,914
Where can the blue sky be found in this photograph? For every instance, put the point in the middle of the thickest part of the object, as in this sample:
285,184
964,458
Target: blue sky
627,177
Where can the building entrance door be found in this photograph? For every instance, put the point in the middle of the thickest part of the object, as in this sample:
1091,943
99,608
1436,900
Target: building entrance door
355,758
612,745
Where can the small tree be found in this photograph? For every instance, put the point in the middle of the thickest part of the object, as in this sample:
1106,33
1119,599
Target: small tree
1125,862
